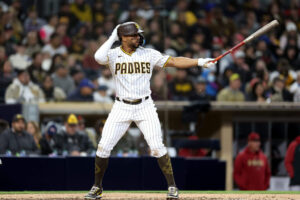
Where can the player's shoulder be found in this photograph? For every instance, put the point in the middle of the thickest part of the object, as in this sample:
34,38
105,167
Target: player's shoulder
114,50
147,50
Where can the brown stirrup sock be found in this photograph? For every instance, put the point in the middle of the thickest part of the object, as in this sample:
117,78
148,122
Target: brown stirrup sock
100,168
165,165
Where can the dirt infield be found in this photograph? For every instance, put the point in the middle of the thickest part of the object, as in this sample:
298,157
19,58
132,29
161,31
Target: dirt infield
152,196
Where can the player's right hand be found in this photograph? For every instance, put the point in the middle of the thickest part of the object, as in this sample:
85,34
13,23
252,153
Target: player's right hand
114,34
206,62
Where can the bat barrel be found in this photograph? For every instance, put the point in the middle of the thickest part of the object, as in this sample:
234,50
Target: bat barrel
254,35
262,30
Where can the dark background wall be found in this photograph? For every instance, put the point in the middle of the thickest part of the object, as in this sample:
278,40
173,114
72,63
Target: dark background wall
77,173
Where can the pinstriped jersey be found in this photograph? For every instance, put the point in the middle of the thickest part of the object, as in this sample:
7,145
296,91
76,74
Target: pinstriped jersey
132,72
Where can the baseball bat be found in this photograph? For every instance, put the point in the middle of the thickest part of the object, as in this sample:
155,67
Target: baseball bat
254,35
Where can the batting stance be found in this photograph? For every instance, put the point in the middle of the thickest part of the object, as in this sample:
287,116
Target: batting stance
131,66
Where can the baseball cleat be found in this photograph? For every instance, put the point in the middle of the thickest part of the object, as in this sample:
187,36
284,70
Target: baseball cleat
173,193
94,194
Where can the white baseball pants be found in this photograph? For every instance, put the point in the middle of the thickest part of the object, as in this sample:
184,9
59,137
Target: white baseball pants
119,120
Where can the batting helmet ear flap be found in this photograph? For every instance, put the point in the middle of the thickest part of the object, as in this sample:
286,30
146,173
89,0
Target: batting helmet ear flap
119,34
142,39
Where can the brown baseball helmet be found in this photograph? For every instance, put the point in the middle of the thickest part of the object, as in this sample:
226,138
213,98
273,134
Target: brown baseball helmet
130,28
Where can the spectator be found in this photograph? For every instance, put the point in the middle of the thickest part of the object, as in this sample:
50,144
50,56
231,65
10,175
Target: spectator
181,87
183,14
200,91
100,95
291,53
224,80
62,31
279,92
12,19
107,80
145,11
250,163
3,56
56,60
241,67
34,130
35,70
263,52
70,141
82,11
51,92
291,33
6,77
201,26
77,75
98,11
232,93
33,22
284,71
190,34
86,131
292,164
8,40
295,89
66,16
258,93
158,85
3,125
16,140
212,86
219,20
78,42
89,63
22,90
20,60
84,92
47,30
62,79
55,46
32,44
47,142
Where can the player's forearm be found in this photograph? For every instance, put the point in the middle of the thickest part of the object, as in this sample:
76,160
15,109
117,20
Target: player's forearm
182,62
101,54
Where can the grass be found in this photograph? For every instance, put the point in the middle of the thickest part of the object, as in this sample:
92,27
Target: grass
150,191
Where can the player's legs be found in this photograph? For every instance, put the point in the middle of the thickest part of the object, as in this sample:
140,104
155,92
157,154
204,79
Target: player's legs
114,128
110,137
150,127
118,121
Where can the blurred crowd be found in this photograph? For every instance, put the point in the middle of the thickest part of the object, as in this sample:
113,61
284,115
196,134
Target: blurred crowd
47,49
66,137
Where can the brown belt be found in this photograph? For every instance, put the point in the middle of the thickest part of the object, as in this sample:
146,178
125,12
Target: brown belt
133,102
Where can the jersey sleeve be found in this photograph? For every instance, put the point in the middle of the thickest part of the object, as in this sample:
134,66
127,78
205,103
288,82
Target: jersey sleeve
111,55
158,59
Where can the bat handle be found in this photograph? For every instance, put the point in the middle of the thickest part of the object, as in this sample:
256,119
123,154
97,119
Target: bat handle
211,61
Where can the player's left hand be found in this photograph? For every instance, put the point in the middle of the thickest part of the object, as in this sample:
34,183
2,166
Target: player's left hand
205,62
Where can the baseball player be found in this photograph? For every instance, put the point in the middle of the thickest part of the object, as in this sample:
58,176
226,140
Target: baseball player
131,66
